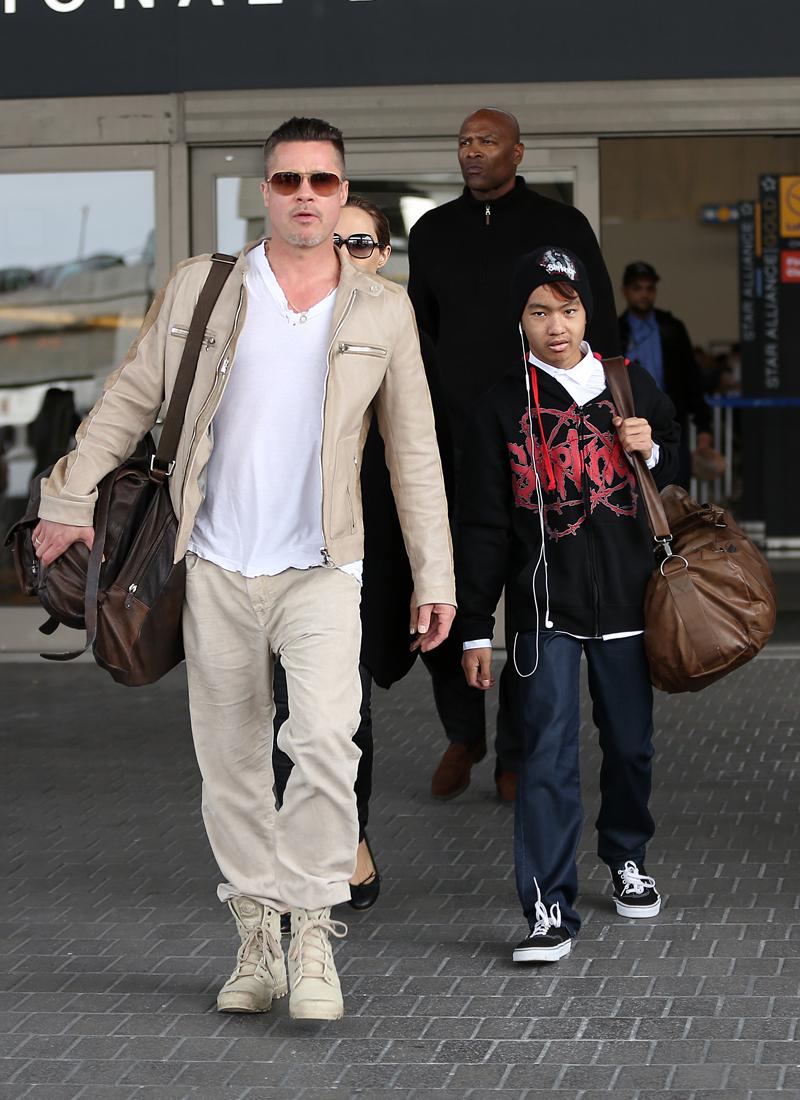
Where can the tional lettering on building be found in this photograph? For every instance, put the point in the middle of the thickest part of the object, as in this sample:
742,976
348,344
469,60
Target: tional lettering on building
64,7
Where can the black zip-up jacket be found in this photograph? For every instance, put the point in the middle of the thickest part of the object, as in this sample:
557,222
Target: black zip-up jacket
462,257
682,379
598,545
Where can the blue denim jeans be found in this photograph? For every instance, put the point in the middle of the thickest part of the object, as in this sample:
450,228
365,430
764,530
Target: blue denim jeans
549,813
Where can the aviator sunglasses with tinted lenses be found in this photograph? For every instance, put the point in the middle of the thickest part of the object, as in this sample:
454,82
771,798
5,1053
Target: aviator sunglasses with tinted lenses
359,245
323,184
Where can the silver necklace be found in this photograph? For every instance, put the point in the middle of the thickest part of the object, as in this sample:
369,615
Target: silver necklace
300,314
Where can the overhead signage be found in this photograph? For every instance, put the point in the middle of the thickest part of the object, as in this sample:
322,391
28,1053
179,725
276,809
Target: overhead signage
150,46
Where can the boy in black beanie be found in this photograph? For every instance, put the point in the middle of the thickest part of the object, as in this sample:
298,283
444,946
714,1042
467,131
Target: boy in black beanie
549,507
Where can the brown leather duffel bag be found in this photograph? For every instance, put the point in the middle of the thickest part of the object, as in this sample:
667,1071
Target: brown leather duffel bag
710,603
128,592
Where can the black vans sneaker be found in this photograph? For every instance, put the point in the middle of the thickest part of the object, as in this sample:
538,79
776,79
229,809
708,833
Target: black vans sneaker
543,946
635,893
547,941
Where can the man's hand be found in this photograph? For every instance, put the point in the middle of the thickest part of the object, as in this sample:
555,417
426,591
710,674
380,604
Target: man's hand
477,665
634,435
431,623
51,539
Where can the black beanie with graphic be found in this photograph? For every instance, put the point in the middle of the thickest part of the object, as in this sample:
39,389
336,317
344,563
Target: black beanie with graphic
549,265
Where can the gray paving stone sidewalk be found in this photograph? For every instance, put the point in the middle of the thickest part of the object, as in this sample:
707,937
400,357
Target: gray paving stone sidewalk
113,944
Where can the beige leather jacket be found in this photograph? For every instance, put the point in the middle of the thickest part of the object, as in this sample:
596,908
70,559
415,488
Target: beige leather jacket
374,364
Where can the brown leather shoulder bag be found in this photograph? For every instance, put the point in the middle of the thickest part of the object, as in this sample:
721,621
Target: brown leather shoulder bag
710,603
128,592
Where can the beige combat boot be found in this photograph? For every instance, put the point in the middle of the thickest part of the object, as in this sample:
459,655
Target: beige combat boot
260,972
315,990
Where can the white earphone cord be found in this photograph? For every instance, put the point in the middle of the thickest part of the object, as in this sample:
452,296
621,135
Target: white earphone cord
542,553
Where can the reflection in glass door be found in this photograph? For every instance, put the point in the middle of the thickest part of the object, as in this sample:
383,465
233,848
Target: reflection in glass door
77,273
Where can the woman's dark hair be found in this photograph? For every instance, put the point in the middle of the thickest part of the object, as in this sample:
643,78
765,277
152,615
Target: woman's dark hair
379,219
303,129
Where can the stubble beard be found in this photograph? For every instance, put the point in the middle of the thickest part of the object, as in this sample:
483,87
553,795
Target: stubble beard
301,241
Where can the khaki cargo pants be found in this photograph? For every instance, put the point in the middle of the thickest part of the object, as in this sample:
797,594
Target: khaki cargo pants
302,855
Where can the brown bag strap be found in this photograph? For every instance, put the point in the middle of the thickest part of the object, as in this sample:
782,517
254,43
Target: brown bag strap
163,461
691,609
619,384
674,568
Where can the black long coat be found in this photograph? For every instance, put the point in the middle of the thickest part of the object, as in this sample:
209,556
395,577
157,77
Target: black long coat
386,594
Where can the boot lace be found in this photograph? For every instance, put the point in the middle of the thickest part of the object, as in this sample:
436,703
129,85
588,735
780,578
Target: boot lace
259,938
633,881
311,949
544,920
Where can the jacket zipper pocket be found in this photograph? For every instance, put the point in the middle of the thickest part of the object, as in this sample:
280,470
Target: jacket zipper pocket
362,349
209,340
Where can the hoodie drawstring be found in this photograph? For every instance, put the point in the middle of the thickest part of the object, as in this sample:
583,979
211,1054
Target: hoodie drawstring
548,464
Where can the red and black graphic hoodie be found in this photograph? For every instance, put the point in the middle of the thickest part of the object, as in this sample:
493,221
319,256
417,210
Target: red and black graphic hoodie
592,566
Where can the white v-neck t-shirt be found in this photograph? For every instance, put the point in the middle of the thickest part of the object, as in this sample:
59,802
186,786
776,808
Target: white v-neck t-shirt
262,511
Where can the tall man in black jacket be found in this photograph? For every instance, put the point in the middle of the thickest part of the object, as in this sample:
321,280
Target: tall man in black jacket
461,259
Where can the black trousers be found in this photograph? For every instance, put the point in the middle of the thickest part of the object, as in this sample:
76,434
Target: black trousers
282,764
549,814
462,709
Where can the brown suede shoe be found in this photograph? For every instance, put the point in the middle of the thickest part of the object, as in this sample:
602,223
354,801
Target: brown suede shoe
506,783
451,778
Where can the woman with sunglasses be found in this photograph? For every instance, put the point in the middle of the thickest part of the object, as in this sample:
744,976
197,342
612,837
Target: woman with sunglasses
363,229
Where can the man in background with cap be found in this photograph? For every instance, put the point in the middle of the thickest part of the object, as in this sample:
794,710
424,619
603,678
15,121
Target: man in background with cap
549,508
461,258
659,342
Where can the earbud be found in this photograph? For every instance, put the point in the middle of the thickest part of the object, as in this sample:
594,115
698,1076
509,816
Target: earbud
549,624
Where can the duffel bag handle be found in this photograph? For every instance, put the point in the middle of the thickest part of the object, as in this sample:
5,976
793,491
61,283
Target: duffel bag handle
619,384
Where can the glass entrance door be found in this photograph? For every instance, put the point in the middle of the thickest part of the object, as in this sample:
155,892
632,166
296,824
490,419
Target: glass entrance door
79,264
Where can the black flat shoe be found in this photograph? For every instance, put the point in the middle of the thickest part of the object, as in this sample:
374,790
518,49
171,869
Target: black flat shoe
363,895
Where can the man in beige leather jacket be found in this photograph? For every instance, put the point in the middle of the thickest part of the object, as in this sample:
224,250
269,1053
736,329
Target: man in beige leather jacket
300,350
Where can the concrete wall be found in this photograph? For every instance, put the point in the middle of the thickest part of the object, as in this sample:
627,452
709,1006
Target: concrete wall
651,191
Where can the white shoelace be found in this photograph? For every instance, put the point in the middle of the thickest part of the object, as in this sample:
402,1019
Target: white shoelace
259,937
633,881
311,949
544,920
